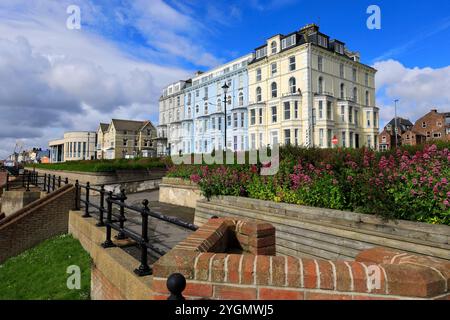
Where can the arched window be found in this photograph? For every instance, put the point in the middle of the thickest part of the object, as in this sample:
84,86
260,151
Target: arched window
342,91
241,99
320,88
258,94
273,46
355,94
274,90
367,98
219,105
292,85
206,107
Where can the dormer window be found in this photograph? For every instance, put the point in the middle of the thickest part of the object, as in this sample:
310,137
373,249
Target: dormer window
323,41
261,53
289,41
273,47
339,47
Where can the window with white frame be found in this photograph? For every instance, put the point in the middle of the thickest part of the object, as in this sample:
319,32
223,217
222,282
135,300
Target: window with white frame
287,136
367,98
252,117
292,65
206,107
355,94
321,136
273,47
329,111
320,85
241,99
288,41
261,53
258,74
354,71
274,90
342,70
274,114
292,85
258,94
219,104
342,94
260,116
323,41
320,63
296,109
342,113
287,110
273,68
320,109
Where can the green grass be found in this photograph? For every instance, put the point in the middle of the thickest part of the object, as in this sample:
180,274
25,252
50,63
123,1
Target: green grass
105,165
40,273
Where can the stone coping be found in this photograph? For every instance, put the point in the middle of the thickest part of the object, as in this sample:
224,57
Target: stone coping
401,275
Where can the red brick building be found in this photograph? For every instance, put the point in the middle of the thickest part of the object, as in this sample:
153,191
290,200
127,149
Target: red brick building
386,139
412,138
434,126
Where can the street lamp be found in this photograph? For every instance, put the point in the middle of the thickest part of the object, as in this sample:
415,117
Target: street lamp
225,88
395,122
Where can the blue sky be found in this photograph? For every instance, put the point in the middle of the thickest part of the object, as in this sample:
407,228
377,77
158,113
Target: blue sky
53,79
415,32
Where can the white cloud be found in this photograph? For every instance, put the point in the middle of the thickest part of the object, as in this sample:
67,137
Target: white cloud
53,79
418,89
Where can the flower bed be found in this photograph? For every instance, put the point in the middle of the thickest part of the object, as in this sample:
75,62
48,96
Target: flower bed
409,183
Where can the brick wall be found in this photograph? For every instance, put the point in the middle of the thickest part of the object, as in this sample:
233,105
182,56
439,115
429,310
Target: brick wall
216,274
102,288
430,124
38,221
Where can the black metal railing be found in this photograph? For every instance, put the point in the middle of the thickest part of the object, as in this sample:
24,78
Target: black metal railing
110,218
113,214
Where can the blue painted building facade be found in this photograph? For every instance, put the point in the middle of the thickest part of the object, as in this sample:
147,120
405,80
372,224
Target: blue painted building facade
203,124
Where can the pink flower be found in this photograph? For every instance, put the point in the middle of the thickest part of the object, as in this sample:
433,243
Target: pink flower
195,178
446,203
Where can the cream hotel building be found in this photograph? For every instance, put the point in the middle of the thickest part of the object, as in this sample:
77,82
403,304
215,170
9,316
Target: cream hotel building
307,89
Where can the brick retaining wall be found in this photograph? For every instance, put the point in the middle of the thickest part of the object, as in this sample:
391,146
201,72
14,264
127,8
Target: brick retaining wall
235,259
38,221
246,276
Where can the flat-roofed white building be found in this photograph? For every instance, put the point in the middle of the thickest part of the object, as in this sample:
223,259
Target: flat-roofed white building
76,145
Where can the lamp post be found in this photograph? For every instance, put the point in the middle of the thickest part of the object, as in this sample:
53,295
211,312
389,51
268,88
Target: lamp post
88,143
225,88
395,122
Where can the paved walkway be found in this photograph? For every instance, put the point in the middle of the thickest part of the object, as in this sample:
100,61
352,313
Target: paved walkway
162,235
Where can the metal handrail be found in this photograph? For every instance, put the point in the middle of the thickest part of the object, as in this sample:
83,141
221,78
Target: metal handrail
106,217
